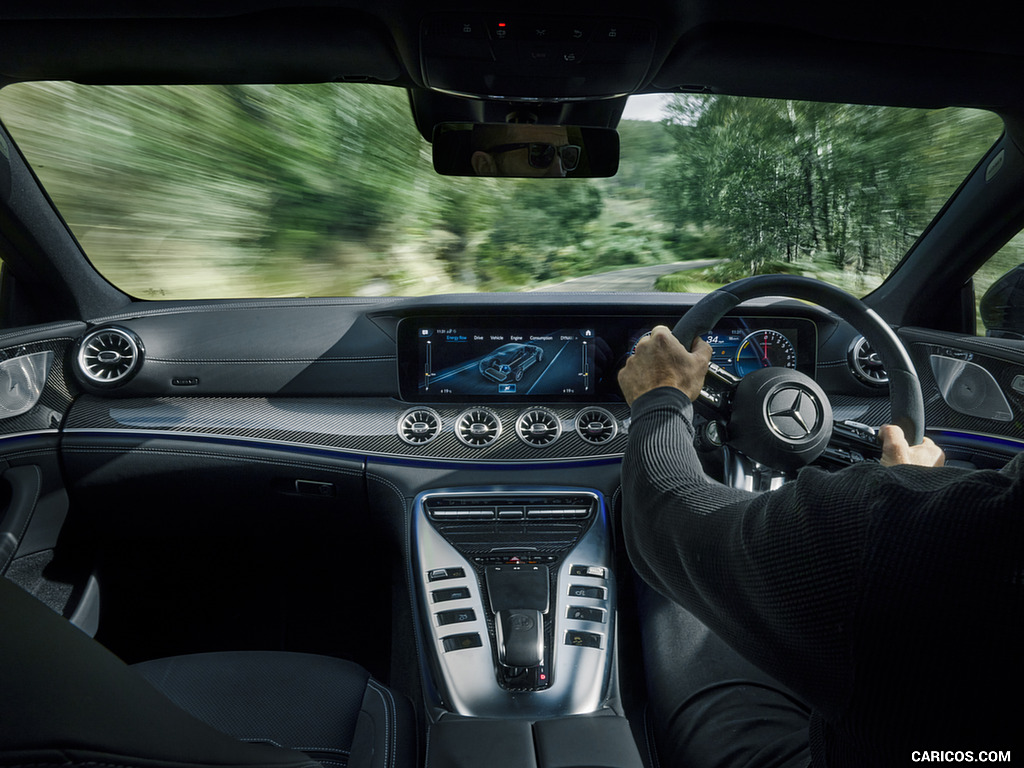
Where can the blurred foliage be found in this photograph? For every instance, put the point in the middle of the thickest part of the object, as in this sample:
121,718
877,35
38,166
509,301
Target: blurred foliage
840,188
231,191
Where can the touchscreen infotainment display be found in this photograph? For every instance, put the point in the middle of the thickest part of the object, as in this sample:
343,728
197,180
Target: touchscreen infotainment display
503,362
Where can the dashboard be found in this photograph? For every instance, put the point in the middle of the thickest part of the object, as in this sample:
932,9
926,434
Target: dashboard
497,381
501,381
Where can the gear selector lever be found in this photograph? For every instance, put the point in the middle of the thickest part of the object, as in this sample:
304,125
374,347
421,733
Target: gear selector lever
519,599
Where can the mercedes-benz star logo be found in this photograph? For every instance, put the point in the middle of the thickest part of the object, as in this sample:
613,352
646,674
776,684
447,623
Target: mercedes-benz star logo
793,413
521,622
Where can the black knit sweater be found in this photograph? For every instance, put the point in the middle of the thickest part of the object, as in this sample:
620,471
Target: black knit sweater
891,599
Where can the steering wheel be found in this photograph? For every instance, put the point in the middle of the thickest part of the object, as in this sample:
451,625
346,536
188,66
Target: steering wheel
780,417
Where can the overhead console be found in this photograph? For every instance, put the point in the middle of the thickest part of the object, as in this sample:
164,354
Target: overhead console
517,56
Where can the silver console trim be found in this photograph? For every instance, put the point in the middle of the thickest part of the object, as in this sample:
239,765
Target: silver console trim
465,680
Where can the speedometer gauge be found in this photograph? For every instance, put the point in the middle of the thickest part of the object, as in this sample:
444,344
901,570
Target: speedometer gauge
764,349
632,346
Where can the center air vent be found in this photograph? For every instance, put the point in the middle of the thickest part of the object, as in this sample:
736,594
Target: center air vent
418,426
538,427
109,356
478,427
596,426
866,364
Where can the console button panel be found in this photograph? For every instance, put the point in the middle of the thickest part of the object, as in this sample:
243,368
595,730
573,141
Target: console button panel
581,639
462,642
455,616
453,593
441,574
463,541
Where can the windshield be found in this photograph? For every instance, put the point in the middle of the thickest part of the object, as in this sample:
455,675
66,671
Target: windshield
328,190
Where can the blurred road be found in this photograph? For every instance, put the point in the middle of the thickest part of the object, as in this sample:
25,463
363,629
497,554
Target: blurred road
634,279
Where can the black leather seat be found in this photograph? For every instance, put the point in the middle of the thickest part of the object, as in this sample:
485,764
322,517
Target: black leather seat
330,709
67,701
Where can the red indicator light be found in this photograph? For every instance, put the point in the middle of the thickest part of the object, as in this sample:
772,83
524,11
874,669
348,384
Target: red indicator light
543,677
501,23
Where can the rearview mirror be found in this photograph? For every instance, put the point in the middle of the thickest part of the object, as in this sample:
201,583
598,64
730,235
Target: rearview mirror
525,150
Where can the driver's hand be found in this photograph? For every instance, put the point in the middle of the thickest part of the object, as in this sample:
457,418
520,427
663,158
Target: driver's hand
896,450
661,361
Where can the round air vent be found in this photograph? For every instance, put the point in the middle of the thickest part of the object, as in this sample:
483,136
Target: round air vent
596,425
109,356
418,426
866,364
478,427
538,427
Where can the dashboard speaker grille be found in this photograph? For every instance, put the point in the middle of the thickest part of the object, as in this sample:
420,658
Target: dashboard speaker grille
419,426
478,427
596,425
866,364
538,427
109,356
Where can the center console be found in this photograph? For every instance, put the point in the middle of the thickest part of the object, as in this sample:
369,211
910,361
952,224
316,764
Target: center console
517,609
517,599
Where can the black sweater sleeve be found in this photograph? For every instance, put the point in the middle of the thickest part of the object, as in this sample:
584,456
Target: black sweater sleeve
890,598
771,574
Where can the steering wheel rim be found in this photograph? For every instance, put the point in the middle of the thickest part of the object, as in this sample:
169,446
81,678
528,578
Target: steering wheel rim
905,397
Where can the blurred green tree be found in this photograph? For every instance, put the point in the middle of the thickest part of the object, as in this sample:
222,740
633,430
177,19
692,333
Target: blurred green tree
537,232
788,181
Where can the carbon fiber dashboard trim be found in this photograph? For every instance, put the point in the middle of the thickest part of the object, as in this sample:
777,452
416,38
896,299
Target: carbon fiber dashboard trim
367,426
873,411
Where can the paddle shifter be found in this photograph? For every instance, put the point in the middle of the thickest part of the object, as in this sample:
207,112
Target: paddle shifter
519,599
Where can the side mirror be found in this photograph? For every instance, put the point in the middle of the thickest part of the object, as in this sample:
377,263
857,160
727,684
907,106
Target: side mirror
524,150
1002,306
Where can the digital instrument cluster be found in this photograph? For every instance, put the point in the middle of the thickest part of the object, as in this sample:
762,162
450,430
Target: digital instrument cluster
740,347
491,359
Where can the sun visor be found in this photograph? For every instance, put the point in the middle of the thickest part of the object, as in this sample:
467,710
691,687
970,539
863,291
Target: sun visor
254,48
774,62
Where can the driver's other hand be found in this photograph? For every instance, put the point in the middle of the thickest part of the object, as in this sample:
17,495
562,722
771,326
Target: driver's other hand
661,361
896,450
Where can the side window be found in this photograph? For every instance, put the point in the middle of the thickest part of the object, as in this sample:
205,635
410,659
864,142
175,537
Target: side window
999,288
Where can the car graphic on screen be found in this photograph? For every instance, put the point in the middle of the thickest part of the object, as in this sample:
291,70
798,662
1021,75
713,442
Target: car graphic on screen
510,361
